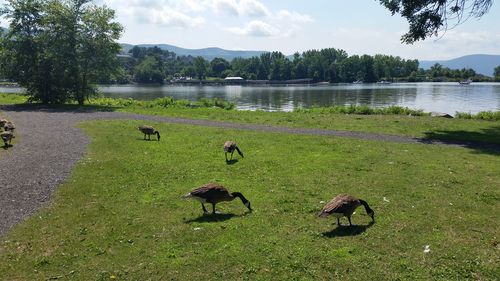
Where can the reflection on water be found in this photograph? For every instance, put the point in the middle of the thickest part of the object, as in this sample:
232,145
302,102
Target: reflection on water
443,97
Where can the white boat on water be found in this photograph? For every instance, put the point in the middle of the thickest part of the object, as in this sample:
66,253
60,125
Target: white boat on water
384,82
465,82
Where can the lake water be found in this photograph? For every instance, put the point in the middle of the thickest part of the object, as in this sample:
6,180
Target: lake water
442,97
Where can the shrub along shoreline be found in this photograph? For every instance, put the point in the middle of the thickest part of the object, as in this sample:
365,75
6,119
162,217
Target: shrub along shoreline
169,102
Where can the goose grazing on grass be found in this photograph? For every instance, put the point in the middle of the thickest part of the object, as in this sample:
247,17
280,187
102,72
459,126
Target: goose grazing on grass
214,193
7,137
148,130
343,205
2,122
9,126
230,146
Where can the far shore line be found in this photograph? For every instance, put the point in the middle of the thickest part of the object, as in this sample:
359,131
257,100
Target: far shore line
257,83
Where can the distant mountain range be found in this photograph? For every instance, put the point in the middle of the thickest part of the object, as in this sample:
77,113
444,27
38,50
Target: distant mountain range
483,64
207,53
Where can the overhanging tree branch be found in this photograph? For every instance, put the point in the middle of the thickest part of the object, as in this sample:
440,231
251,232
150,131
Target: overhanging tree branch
427,18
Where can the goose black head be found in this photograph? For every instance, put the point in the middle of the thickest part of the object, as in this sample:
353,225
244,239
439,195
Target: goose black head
372,215
368,210
247,204
243,199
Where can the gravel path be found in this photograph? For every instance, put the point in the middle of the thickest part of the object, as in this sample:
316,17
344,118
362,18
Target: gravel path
48,146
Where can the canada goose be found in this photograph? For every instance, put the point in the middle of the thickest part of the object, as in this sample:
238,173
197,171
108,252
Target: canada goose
7,137
9,126
148,130
2,122
343,205
214,193
230,146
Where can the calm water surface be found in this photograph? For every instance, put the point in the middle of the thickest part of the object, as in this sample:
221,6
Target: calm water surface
442,97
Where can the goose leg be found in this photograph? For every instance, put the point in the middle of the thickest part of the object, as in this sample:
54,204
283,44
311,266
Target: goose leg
225,153
204,209
144,136
349,218
213,208
338,221
232,154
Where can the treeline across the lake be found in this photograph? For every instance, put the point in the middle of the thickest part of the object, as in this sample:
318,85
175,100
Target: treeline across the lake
155,65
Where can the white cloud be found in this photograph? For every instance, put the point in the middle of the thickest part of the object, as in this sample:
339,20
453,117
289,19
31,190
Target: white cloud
451,45
248,8
295,17
229,7
162,12
193,5
260,20
256,28
284,23
168,17
253,8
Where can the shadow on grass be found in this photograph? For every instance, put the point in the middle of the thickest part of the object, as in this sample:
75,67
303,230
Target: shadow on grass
215,217
486,141
146,139
232,162
346,230
57,108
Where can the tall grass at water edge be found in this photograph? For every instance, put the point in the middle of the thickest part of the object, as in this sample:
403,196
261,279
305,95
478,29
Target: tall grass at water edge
164,102
366,110
483,115
169,102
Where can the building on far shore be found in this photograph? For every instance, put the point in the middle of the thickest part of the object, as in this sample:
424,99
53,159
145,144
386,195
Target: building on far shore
234,78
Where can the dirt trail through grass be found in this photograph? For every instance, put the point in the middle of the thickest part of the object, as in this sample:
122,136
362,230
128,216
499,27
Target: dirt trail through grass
48,145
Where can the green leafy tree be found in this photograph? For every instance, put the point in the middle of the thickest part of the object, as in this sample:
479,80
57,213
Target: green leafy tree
188,71
427,18
218,65
280,68
200,67
265,66
350,69
238,67
58,49
367,70
149,71
299,70
496,73
436,70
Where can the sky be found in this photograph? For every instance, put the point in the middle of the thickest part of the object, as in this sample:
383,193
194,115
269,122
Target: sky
358,27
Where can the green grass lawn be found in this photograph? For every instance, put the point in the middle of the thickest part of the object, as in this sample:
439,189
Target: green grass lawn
120,216
415,126
11,98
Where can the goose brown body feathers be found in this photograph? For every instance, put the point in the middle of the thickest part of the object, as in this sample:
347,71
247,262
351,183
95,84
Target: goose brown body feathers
344,205
7,137
215,193
2,122
9,126
230,147
148,131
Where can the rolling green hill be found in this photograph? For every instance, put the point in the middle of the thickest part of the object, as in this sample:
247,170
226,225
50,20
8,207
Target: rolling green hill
207,53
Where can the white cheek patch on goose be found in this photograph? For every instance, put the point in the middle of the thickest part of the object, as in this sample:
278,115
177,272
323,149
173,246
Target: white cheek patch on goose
202,200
